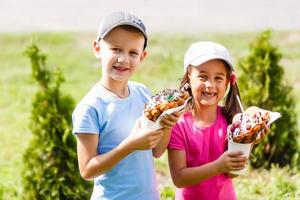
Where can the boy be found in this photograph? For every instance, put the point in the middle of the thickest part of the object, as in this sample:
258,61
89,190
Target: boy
112,148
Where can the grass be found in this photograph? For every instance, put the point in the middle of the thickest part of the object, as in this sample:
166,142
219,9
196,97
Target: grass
72,53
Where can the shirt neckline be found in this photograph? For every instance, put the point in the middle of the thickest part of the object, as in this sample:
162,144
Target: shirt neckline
208,126
113,98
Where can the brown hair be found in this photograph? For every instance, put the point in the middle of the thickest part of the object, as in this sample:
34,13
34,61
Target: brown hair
231,106
134,30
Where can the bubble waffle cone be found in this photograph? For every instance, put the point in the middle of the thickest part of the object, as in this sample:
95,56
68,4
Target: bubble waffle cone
246,126
165,102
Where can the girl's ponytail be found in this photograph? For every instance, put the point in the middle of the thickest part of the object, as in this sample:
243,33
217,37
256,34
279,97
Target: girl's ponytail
231,103
185,80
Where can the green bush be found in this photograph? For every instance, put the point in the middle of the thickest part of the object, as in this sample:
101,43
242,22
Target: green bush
167,193
50,162
262,85
273,184
8,192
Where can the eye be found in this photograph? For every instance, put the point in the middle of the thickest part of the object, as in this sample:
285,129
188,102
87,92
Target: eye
202,77
133,53
219,78
116,50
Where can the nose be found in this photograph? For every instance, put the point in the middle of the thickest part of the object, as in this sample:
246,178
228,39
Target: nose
123,58
208,84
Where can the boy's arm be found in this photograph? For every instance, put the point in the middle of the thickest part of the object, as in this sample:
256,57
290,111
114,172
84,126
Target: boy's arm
92,164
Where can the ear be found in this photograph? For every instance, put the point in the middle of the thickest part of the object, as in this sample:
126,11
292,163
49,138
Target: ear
228,84
144,55
96,46
188,72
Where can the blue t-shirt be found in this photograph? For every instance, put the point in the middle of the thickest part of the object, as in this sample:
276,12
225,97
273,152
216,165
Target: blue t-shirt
113,119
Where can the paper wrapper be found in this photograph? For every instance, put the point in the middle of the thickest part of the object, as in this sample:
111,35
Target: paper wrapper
245,148
148,124
273,117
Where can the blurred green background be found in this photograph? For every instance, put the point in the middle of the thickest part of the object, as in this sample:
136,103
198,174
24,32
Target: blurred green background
72,54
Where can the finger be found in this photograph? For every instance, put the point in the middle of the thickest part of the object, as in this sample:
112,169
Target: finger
239,159
261,136
166,122
267,130
157,133
156,137
171,117
237,168
177,114
235,153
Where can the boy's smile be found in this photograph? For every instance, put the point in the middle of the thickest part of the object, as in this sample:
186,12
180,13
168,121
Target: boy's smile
121,52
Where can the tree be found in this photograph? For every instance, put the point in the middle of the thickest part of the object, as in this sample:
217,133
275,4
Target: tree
262,84
50,161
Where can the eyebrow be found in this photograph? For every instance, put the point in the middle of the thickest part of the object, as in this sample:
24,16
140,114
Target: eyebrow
205,72
221,74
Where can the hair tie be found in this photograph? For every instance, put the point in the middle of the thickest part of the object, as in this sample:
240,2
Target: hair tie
233,78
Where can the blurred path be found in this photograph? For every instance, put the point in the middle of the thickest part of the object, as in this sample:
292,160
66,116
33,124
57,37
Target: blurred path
159,15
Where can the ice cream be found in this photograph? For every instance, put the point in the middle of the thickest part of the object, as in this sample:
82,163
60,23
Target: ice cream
163,101
245,126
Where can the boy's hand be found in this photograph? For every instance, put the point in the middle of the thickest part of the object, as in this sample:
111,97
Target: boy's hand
231,161
169,121
143,139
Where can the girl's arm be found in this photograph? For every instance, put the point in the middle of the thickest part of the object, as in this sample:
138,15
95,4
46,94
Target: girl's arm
92,164
167,123
184,176
163,143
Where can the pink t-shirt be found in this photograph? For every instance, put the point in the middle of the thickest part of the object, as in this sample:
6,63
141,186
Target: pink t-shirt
202,145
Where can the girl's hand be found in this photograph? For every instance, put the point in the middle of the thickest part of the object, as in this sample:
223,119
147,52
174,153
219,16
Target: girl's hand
169,121
262,135
143,139
231,161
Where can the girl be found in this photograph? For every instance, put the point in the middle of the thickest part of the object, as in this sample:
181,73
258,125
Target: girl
198,160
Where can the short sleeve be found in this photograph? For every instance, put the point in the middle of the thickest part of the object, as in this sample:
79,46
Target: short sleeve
145,92
177,139
85,120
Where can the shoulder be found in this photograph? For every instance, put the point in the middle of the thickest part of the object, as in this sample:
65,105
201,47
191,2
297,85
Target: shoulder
139,89
221,117
181,132
185,120
136,85
93,97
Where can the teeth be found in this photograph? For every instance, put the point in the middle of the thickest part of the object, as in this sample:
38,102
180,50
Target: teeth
209,94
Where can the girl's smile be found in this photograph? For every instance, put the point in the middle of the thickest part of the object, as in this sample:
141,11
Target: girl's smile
208,94
208,82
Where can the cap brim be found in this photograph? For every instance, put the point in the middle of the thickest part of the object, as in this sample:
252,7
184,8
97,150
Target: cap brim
120,24
203,59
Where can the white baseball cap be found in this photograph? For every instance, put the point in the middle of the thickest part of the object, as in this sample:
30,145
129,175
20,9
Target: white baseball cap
201,52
